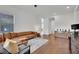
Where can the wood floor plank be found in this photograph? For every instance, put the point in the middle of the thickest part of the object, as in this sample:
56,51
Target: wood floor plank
54,46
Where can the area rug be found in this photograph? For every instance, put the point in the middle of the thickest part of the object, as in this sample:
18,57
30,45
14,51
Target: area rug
36,43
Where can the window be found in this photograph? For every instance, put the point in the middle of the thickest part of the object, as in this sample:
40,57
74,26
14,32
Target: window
6,23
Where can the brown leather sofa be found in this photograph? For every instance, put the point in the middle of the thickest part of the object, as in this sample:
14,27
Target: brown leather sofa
1,38
19,35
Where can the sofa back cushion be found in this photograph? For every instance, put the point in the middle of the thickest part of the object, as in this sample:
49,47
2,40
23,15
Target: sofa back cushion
19,34
13,35
7,35
30,32
24,33
1,38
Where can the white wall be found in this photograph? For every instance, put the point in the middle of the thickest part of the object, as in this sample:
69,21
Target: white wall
23,20
77,17
27,21
63,22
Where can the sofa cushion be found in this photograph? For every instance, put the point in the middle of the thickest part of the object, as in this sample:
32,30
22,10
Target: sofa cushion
1,38
13,35
19,34
11,46
28,33
7,35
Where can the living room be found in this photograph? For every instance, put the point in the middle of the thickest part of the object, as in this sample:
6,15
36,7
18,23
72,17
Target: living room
37,25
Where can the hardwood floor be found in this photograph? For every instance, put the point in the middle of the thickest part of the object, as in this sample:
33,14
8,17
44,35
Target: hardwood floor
54,46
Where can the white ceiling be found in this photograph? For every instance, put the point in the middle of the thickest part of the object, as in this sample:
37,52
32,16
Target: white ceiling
43,10
48,9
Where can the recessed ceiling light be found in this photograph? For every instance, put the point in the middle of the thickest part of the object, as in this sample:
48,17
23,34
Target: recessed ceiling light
67,7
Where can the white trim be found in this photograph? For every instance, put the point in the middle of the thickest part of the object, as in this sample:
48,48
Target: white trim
13,23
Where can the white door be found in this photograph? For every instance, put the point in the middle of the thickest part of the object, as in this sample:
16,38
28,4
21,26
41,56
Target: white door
45,26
